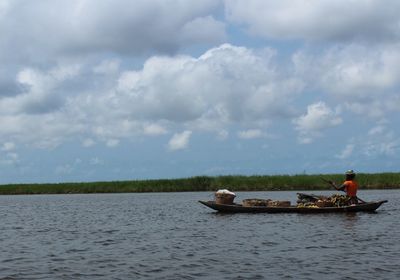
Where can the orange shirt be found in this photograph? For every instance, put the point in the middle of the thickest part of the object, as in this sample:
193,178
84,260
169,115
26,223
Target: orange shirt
351,188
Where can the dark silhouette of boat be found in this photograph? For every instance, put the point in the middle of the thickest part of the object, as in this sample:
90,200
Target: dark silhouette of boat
239,208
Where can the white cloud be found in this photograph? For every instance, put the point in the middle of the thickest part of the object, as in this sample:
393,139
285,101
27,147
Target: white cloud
346,152
4,6
10,158
381,141
222,135
358,71
372,109
250,134
112,143
73,72
64,169
88,142
96,161
224,86
226,83
154,129
8,146
364,78
36,30
41,131
203,30
387,147
333,20
109,66
318,118
179,141
376,130
42,93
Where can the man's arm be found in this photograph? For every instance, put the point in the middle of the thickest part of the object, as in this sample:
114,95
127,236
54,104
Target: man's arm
341,188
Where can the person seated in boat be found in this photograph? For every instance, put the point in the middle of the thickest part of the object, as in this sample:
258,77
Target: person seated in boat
350,186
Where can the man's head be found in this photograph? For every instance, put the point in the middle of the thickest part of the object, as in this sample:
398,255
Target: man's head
350,174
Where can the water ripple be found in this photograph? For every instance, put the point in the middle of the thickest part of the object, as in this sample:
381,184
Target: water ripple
171,236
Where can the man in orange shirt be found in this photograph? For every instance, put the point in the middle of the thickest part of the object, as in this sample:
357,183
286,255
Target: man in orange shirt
350,186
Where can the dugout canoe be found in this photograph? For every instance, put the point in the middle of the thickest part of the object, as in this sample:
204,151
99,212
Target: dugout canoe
238,208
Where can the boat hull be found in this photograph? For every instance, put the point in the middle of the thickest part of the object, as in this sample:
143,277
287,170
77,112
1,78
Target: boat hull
238,208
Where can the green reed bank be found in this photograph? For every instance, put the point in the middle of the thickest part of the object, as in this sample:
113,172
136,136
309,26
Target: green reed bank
207,183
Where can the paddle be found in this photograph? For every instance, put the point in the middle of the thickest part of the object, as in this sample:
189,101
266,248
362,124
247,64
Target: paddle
330,183
336,188
362,201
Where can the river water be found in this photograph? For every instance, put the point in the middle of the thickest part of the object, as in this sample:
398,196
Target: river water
172,236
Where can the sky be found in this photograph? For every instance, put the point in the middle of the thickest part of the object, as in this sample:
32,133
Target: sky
122,90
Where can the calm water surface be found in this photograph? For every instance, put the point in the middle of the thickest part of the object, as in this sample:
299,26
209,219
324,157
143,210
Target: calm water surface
171,236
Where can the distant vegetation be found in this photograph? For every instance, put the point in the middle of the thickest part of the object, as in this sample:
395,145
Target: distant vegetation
205,183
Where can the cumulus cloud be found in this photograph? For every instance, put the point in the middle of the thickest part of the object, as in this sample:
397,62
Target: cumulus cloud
378,143
42,92
226,85
203,30
377,130
381,141
112,143
4,5
96,161
353,71
318,118
179,141
36,36
250,134
121,26
108,66
346,152
74,72
154,129
333,20
10,158
222,135
365,79
88,142
8,146
41,131
64,169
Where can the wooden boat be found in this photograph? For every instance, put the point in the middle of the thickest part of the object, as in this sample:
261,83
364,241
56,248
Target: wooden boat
238,208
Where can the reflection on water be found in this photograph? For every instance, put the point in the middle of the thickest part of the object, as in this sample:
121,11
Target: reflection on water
350,220
171,236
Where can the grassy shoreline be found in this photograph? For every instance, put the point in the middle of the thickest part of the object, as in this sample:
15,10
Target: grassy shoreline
207,183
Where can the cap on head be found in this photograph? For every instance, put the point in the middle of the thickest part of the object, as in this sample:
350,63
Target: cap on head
350,172
350,175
